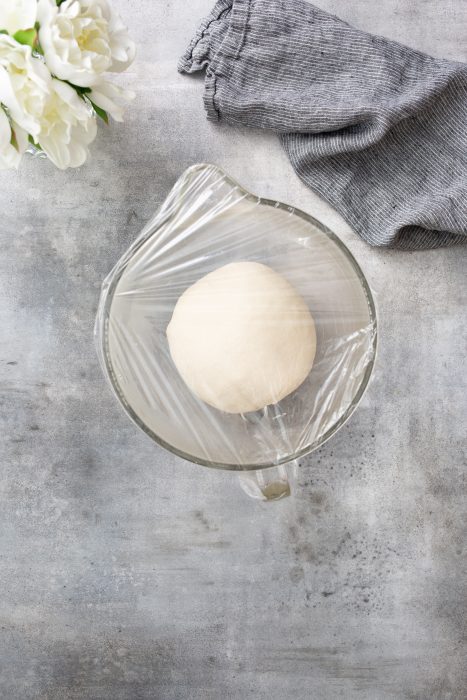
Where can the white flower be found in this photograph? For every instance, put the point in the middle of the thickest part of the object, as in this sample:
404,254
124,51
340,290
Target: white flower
17,14
68,126
81,39
24,84
13,142
111,98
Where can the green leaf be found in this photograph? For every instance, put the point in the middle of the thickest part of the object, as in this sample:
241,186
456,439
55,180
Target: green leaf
3,31
26,36
80,90
14,140
31,141
100,112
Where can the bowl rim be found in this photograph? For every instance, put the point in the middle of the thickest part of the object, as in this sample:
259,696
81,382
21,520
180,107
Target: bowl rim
107,296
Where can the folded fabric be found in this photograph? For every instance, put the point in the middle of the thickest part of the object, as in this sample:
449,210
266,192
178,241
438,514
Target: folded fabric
375,128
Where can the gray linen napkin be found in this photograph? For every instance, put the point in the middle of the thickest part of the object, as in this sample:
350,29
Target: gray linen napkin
377,129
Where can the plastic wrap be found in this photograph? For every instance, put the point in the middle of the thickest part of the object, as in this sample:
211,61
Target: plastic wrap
208,221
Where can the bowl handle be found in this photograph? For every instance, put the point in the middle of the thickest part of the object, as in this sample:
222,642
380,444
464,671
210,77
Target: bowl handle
268,484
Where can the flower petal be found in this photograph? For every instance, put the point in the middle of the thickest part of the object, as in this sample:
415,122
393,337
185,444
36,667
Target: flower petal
17,14
10,155
66,139
105,95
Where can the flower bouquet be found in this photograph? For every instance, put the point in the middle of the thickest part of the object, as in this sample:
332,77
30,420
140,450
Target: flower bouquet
53,57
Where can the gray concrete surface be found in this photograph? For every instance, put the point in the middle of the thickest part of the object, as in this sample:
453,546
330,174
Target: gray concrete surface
127,574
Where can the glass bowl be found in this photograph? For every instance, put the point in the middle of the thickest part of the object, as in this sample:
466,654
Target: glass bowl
207,221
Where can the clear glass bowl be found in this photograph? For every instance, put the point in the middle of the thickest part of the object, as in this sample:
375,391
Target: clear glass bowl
209,220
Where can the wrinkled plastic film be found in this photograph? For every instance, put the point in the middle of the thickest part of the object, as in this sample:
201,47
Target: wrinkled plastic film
206,222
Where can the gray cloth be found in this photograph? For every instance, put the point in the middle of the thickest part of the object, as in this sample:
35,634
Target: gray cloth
377,129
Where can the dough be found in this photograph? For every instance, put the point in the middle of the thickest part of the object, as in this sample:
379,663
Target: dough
242,337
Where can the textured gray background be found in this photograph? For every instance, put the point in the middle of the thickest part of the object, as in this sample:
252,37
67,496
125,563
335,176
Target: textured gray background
126,573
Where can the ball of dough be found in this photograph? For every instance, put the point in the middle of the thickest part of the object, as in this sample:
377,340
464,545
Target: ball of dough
242,337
